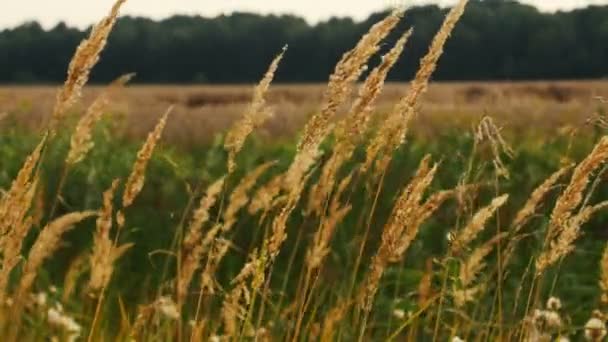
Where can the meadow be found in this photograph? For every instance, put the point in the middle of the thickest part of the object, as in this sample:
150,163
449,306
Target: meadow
356,210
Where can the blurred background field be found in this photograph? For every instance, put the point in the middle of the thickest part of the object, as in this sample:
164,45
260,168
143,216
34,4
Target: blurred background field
201,112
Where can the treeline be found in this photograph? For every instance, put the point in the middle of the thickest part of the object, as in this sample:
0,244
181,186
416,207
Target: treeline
495,40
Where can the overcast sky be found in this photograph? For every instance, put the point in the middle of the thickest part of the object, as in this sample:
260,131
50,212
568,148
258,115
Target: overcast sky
84,12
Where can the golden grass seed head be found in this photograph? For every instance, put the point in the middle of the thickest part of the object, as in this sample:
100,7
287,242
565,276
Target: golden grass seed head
240,195
475,263
254,116
83,61
529,208
476,224
136,179
105,252
393,130
346,73
563,243
81,141
263,198
572,196
46,244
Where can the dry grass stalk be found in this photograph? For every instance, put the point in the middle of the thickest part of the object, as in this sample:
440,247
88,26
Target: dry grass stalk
394,129
474,264
279,224
83,61
136,179
422,213
234,310
425,287
105,253
487,130
349,130
14,206
464,296
320,246
333,317
201,214
218,251
46,244
193,246
563,243
346,73
144,313
254,116
81,142
463,238
572,196
240,195
238,200
564,225
77,268
537,196
14,201
12,243
529,209
604,276
399,232
234,307
264,197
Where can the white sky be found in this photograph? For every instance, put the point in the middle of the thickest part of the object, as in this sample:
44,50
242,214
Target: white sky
84,12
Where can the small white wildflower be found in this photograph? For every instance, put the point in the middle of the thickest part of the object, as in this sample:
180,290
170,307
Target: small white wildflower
398,313
215,338
53,289
553,320
554,304
562,339
595,330
57,318
167,307
457,339
9,302
40,298
262,332
449,236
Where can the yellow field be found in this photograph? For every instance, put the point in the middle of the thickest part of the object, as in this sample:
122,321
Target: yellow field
202,111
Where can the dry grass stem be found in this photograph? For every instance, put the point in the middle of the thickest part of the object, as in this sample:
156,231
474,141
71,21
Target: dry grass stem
82,141
136,179
465,236
528,210
349,130
399,232
105,253
83,61
193,245
320,245
563,243
47,242
392,132
240,194
255,115
346,73
474,264
572,196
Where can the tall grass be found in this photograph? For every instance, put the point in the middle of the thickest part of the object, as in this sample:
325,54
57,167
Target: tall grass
260,244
